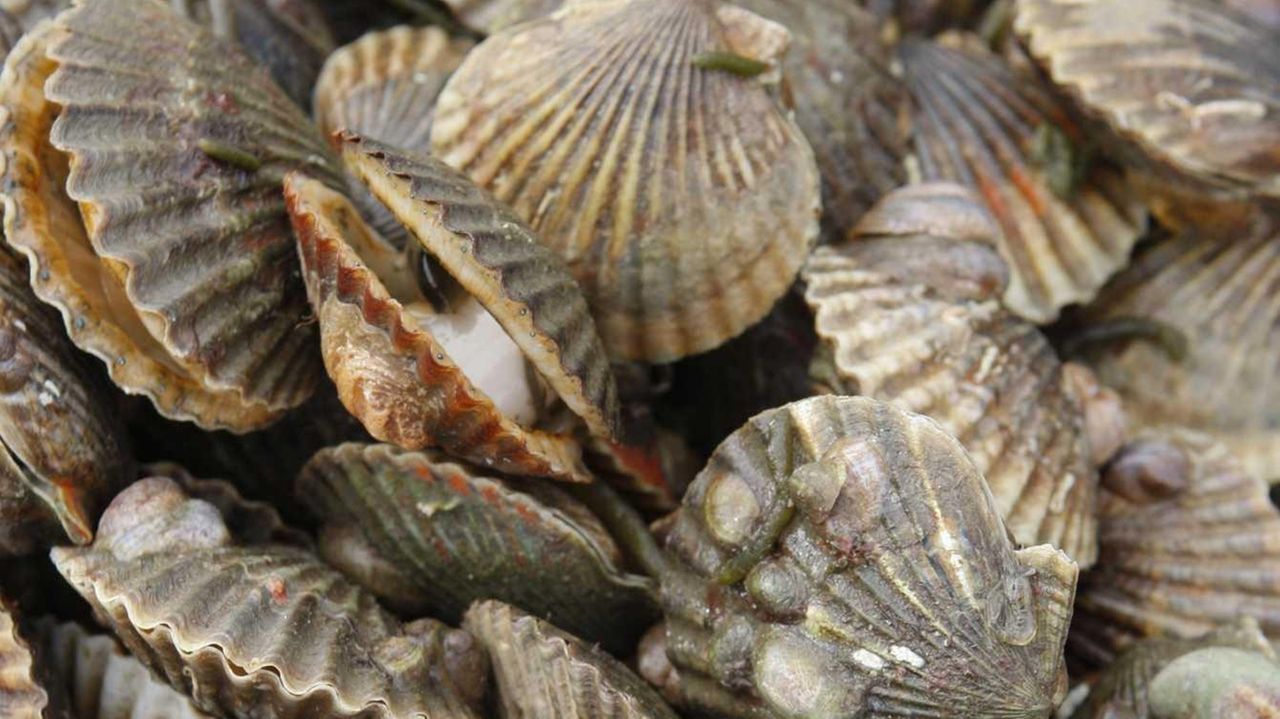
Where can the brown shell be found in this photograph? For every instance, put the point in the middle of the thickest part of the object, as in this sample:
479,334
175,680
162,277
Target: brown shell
491,16
977,123
457,536
1185,84
840,557
22,692
1188,541
682,198
908,313
249,521
260,631
62,450
1221,292
545,673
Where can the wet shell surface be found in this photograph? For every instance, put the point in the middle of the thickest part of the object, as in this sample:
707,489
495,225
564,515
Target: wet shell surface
63,453
1188,541
1182,83
456,536
545,673
260,631
1067,224
684,205
177,268
840,557
22,694
908,312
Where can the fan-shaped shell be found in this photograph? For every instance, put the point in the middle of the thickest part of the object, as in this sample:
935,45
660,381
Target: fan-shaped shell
977,123
1188,541
907,312
22,691
1217,682
545,673
840,557
1186,84
1222,293
458,536
260,631
682,198
491,16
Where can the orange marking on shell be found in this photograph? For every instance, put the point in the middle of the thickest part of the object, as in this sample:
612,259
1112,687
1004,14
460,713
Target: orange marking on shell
279,593
642,463
459,485
1029,190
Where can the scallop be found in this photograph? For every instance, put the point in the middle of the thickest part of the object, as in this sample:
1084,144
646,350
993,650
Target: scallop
679,192
1068,223
142,161
260,630
477,341
840,557
1217,682
908,312
491,16
22,692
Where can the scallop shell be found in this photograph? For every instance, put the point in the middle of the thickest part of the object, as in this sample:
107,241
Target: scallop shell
545,673
62,454
840,557
10,32
908,313
1184,84
491,16
249,521
1217,682
458,536
29,13
22,691
199,309
1223,296
1188,541
977,123
682,198
260,631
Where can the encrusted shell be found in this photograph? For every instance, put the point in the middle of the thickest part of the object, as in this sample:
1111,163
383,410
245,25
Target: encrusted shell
456,536
682,197
177,267
1221,292
908,312
1067,223
260,631
1189,85
840,557
545,673
22,691
1188,541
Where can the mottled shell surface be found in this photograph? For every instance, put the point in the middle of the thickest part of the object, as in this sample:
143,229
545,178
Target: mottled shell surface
63,452
22,693
1066,228
682,197
840,557
545,673
1217,682
260,631
1188,541
458,536
1186,84
1221,292
908,312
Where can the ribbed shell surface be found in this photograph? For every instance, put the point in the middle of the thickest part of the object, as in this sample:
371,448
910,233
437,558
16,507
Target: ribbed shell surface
840,557
1189,84
976,122
545,673
22,694
491,16
682,198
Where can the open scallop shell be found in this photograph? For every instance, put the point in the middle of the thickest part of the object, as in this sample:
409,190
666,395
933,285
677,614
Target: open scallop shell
907,312
545,673
22,690
260,631
177,267
977,123
1183,83
1188,541
62,452
841,557
683,198
458,536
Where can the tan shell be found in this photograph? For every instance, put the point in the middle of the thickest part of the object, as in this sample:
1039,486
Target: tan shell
29,13
1188,541
491,16
1217,682
260,631
683,199
840,557
908,312
545,673
22,692
976,123
177,268
1186,84
1222,293
250,522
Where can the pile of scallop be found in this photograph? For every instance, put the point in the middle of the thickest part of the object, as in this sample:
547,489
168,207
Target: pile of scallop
639,359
